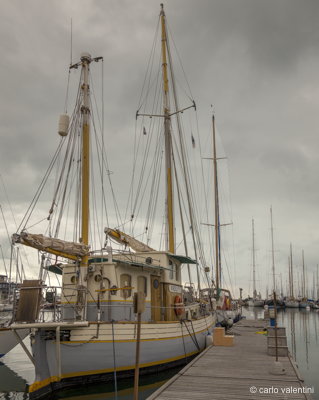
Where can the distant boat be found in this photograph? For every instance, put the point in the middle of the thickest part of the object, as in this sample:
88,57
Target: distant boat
6,293
256,301
304,301
228,310
270,301
291,302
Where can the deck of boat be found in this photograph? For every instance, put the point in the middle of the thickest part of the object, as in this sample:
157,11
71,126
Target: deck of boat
233,373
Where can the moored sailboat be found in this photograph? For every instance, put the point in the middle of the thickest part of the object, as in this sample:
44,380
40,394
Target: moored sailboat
95,338
228,310
256,300
303,303
291,302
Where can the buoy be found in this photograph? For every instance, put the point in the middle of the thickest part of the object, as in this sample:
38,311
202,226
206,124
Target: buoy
178,306
64,124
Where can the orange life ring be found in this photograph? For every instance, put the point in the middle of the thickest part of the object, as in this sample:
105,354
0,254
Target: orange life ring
178,305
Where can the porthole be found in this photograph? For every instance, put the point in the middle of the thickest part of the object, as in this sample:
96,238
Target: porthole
74,279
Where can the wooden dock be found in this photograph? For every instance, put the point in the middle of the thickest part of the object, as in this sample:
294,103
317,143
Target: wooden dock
243,371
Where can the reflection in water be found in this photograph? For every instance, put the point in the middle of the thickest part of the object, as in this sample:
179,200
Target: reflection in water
302,335
14,396
293,335
105,391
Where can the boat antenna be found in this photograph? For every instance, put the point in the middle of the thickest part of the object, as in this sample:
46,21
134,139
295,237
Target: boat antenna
71,42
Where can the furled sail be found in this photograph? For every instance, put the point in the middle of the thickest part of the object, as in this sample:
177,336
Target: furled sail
127,240
59,247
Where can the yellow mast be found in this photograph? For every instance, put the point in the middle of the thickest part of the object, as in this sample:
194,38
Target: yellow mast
168,140
85,195
86,59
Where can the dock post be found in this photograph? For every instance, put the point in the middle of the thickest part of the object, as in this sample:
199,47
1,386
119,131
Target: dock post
278,368
139,306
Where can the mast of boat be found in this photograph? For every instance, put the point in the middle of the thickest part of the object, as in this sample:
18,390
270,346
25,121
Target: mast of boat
272,252
317,282
303,276
170,244
291,273
254,267
86,60
85,181
217,258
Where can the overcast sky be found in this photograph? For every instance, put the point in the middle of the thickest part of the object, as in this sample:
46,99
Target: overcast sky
255,61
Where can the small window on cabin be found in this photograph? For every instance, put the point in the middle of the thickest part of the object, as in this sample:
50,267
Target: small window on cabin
126,282
142,284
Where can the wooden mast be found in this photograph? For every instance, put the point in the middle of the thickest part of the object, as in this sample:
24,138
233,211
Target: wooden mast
85,187
168,141
86,59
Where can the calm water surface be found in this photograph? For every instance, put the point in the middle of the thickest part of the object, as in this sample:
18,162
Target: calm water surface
302,333
302,329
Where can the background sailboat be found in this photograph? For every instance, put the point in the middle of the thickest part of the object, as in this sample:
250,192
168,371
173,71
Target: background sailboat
256,300
291,302
304,298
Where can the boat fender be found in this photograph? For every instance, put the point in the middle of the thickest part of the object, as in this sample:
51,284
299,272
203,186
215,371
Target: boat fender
178,306
209,339
64,121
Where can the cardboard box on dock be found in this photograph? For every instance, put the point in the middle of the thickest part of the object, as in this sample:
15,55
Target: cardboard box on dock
220,339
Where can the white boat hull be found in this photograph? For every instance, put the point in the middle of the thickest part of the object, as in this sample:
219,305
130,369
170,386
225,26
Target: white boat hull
8,340
93,353
256,303
292,304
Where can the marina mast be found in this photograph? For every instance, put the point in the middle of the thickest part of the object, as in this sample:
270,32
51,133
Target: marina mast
217,258
168,141
272,252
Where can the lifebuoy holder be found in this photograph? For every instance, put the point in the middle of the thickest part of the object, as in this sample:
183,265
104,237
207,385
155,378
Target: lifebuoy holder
178,305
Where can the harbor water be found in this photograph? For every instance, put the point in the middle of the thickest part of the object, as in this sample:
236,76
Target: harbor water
303,340
16,370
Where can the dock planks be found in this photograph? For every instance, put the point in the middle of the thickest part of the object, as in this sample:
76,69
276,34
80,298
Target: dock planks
229,373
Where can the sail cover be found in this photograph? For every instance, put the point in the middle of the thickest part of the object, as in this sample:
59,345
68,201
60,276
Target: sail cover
48,244
127,240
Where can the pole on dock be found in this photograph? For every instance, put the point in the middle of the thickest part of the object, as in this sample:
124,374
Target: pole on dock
139,307
278,368
276,332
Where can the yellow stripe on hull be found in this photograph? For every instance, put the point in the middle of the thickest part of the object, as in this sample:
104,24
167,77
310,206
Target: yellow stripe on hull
40,384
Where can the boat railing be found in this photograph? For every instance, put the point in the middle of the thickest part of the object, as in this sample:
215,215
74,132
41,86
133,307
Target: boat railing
35,302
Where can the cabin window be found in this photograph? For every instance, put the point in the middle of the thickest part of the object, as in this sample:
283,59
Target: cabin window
142,284
126,284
